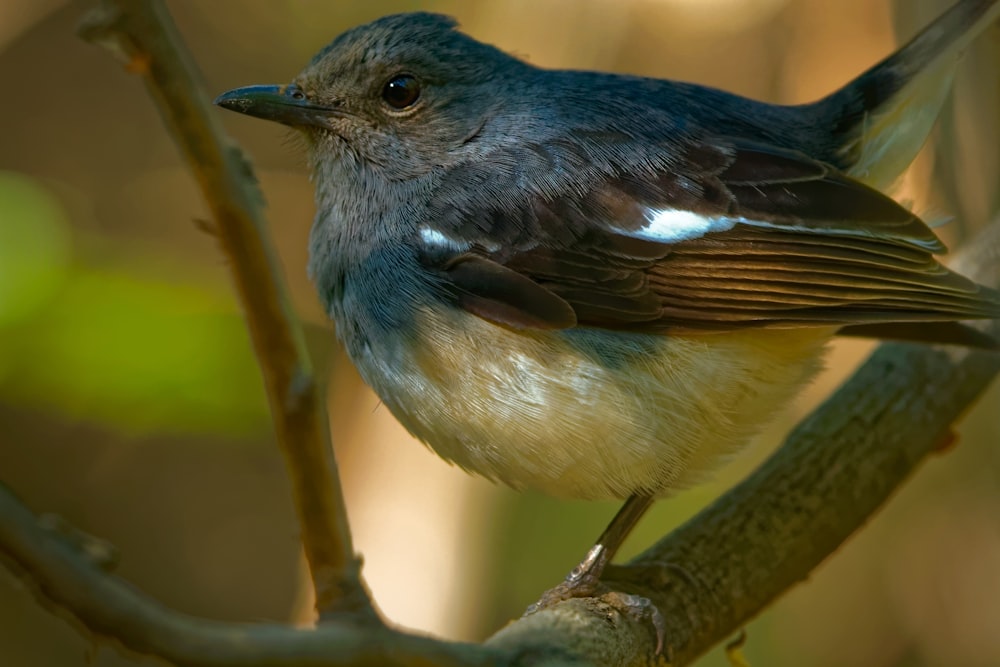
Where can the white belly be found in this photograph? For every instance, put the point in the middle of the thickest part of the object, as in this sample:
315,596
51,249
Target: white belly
586,413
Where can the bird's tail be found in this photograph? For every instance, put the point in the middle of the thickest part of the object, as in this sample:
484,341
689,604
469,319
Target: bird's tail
881,119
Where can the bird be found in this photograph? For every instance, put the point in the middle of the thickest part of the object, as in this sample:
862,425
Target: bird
599,285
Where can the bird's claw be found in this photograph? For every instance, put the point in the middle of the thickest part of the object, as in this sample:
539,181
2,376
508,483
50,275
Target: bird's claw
578,585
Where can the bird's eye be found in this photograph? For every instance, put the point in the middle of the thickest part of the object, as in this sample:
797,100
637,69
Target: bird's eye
401,91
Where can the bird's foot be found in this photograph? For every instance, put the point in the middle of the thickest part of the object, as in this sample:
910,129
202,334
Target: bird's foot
641,610
584,582
585,579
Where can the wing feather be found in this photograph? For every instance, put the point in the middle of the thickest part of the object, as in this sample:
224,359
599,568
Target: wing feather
723,235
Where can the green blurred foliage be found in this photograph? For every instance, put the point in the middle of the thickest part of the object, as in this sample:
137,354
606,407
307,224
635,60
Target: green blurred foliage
113,345
34,249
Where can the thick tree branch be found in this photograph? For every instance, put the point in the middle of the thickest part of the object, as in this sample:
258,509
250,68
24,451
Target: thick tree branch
142,35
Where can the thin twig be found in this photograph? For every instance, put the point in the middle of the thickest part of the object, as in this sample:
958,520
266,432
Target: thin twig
142,35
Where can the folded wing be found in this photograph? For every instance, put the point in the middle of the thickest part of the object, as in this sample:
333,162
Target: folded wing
728,235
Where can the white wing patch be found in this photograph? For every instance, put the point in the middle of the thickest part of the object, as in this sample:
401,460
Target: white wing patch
673,226
437,239
669,225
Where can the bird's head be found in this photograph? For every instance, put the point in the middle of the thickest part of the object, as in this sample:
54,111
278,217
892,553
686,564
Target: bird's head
403,94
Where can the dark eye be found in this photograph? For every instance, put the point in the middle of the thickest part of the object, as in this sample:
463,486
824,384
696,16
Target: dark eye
401,91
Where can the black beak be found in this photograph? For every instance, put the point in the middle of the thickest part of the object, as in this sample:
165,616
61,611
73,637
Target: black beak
283,104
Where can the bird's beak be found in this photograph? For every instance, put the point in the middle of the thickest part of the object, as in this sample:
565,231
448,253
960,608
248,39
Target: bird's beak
283,104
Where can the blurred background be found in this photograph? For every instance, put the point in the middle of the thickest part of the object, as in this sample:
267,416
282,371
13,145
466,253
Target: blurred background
131,405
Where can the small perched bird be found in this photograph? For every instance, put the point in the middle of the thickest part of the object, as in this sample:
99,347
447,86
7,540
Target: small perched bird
599,285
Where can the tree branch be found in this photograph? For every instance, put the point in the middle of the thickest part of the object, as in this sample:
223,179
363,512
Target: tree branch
69,582
142,35
707,579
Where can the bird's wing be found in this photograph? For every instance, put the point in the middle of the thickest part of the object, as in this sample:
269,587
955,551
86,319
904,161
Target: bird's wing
729,235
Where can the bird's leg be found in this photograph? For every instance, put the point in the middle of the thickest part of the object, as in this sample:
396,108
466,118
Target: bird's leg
583,580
